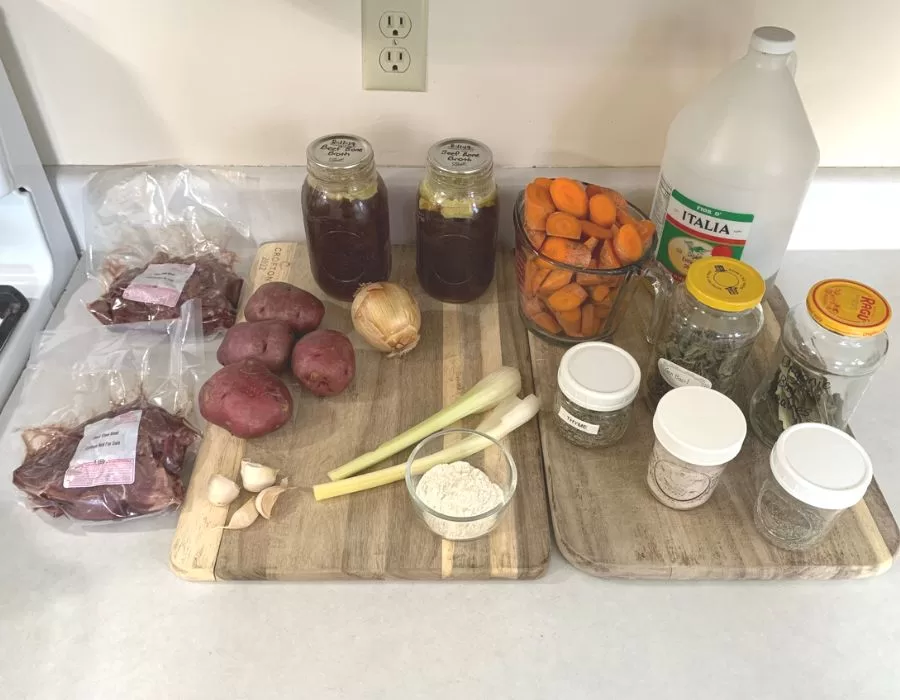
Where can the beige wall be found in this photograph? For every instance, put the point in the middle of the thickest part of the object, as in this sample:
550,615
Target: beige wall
564,82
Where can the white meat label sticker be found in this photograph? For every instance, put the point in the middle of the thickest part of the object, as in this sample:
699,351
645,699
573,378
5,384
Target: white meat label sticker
159,284
588,428
106,454
676,375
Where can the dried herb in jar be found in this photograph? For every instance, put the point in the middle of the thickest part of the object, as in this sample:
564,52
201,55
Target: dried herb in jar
797,395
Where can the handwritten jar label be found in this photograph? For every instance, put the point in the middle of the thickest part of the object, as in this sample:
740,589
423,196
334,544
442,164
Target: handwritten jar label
106,454
589,428
159,284
676,375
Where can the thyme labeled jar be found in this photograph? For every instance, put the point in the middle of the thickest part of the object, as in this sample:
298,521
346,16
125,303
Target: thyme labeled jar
815,473
830,348
597,383
456,221
698,432
345,211
712,322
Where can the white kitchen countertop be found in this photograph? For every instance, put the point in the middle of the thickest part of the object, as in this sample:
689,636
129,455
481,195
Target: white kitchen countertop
101,615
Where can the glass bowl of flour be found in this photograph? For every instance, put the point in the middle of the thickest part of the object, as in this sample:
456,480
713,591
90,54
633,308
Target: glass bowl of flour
460,498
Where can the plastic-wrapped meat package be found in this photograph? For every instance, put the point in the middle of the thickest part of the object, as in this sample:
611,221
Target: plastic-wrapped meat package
133,296
107,413
145,481
160,236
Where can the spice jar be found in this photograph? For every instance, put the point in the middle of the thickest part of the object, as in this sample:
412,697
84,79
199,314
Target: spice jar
708,332
815,473
597,385
698,432
829,349
345,210
456,222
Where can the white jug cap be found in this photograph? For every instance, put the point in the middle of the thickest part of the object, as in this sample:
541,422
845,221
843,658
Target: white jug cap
599,376
699,426
773,40
821,466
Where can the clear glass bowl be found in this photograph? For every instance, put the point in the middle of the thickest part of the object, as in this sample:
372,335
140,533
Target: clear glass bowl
494,460
607,312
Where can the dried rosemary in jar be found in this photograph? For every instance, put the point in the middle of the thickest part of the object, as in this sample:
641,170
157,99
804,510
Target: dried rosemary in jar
597,385
709,330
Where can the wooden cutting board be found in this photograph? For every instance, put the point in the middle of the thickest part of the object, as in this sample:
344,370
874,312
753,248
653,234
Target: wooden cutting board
608,524
374,534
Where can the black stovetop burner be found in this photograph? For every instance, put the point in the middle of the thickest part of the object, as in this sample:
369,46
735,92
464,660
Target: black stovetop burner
12,307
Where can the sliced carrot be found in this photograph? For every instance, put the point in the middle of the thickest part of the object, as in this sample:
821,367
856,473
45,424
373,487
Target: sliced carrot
546,321
538,206
603,308
603,210
569,297
540,274
628,244
586,279
545,264
532,306
646,229
591,321
608,260
556,279
565,251
616,197
589,228
528,275
591,243
591,190
623,217
569,196
536,238
563,225
598,294
544,182
570,321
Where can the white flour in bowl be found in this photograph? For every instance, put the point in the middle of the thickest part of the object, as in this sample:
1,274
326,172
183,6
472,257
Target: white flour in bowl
461,491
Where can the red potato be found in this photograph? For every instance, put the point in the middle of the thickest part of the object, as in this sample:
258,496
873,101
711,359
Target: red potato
270,342
246,399
280,301
324,362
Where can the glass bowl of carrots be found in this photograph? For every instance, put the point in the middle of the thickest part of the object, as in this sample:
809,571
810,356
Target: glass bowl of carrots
579,250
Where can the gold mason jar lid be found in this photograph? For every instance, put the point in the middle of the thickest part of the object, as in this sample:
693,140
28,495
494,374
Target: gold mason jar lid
725,284
848,308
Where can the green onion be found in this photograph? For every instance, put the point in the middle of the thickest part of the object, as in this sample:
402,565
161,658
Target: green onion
509,415
486,394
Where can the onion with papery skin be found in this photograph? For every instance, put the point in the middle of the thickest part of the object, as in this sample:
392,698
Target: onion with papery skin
387,317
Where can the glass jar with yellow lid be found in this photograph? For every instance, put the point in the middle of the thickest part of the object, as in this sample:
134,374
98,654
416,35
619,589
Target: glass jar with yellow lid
829,349
709,329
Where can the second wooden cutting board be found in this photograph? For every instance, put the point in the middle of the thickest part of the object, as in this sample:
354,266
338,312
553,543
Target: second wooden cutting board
374,534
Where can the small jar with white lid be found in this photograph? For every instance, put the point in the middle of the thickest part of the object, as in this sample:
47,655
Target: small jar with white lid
815,473
597,384
698,432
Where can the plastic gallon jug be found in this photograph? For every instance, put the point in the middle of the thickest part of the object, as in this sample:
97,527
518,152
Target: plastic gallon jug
738,161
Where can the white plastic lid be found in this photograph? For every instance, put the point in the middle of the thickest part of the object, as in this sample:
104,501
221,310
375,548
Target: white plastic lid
821,466
599,376
774,40
699,426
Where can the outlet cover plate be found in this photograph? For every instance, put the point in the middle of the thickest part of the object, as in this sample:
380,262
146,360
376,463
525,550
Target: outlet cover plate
401,28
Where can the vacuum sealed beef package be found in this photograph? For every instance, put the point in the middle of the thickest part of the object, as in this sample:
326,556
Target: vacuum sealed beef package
108,419
158,237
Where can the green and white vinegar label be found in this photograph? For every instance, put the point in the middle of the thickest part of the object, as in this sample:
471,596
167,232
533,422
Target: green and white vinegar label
690,230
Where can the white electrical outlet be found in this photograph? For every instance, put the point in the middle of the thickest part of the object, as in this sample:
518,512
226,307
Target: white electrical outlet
395,42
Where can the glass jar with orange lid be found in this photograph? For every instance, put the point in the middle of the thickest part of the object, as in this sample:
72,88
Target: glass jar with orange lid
709,329
829,350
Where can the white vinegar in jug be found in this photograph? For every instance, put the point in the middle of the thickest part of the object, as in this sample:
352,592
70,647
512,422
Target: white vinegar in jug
738,161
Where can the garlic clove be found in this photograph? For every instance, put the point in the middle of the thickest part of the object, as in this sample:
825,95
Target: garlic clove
265,499
243,517
256,477
221,491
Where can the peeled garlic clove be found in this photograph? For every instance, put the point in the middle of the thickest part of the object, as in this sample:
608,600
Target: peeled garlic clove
256,477
221,491
265,499
387,316
243,517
